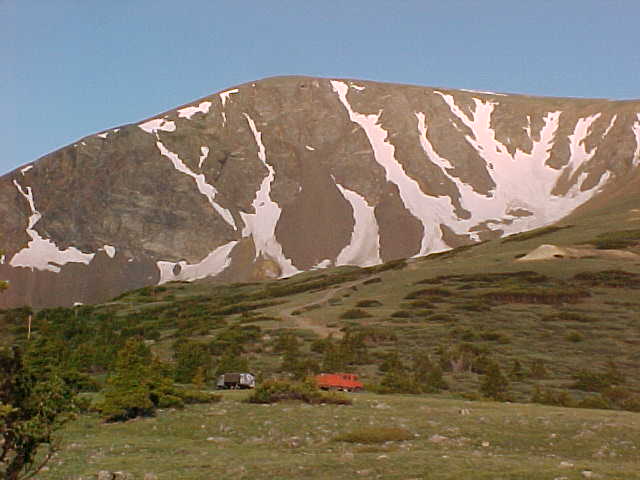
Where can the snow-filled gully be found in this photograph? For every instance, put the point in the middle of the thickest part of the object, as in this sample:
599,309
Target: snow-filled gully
261,225
512,192
524,180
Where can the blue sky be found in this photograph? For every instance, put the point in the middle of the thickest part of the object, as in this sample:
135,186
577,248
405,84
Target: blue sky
70,68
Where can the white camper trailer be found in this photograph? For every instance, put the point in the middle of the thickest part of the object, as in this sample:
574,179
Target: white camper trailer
236,380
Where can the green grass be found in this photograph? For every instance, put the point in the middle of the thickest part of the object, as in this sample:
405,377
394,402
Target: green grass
234,439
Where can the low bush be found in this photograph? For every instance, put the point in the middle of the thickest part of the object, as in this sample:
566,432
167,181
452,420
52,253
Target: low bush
355,313
428,292
370,435
544,295
560,398
441,317
567,317
594,401
495,337
273,391
590,381
609,278
538,232
421,304
574,337
617,240
190,396
368,303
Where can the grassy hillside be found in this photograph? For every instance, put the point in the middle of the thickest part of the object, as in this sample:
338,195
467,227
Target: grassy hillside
446,439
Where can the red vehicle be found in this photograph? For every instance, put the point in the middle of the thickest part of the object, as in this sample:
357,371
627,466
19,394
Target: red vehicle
347,382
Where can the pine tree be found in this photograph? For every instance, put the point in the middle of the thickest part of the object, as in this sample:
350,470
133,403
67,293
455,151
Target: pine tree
495,384
231,361
128,392
333,361
33,406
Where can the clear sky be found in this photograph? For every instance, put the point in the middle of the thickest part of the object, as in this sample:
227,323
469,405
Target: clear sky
69,68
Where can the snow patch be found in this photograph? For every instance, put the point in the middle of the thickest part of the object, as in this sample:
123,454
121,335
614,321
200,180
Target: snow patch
152,126
636,132
311,149
40,253
204,153
534,193
577,147
103,135
213,264
483,92
421,206
613,120
188,112
326,263
357,87
109,250
261,225
26,169
364,248
204,188
224,96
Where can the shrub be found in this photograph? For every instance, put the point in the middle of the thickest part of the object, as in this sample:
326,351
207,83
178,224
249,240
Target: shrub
495,384
567,317
594,401
574,337
617,240
477,306
428,292
33,406
368,303
538,232
609,278
401,314
273,391
560,398
375,435
538,369
355,313
495,337
421,304
441,317
544,295
590,381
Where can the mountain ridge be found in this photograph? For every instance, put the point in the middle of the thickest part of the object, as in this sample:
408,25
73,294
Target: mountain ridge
294,172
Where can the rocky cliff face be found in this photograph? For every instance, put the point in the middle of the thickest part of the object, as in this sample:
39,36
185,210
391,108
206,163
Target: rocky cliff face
292,173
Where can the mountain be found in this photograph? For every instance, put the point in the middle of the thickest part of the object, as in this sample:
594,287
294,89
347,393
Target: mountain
288,174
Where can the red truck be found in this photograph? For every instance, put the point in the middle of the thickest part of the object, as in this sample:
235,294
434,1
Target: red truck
346,382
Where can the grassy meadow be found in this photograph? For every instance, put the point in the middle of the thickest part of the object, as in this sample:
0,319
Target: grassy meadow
447,439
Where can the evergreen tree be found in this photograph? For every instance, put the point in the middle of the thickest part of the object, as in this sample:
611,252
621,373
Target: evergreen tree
426,375
231,361
495,384
128,392
189,357
333,361
33,406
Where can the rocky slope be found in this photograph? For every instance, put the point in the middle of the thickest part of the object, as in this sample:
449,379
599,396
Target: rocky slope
291,173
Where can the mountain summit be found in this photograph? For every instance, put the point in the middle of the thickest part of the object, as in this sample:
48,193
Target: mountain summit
287,174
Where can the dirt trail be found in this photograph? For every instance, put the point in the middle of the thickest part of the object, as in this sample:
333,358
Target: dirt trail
322,330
